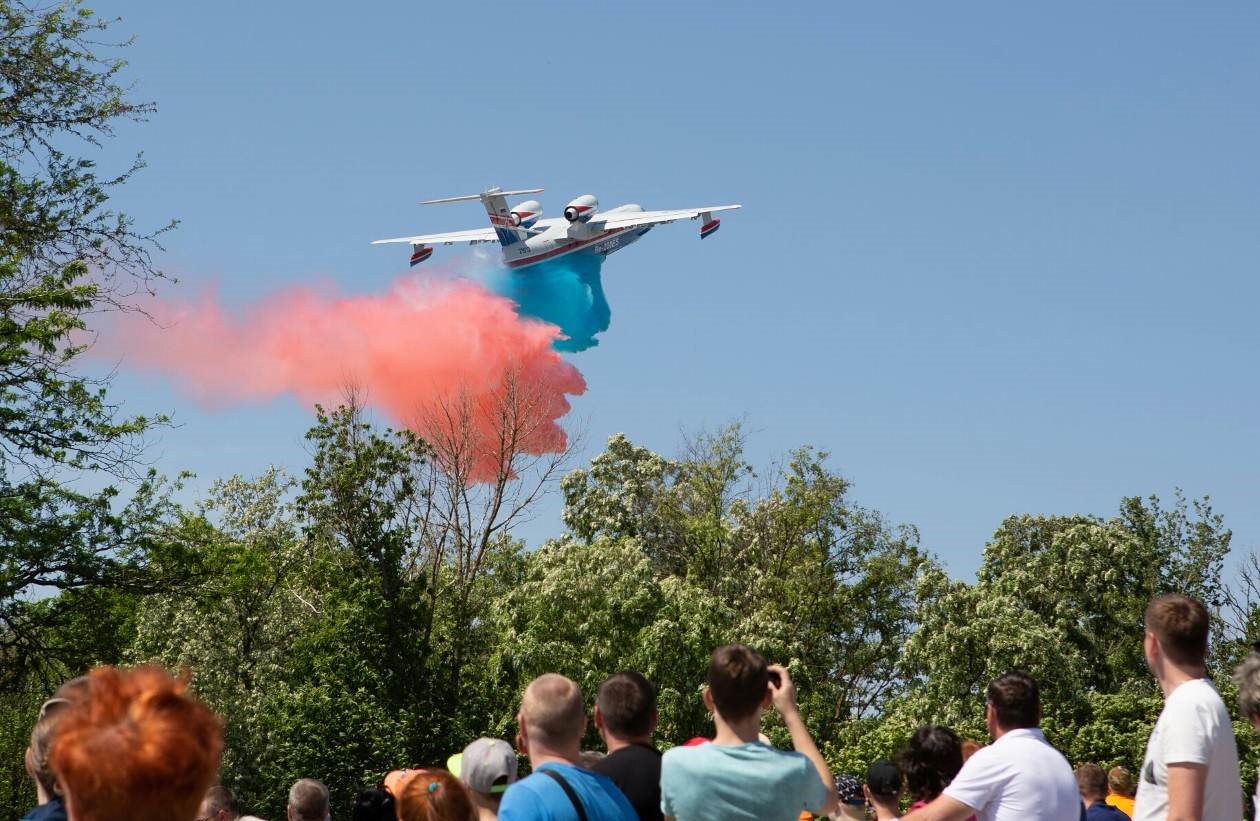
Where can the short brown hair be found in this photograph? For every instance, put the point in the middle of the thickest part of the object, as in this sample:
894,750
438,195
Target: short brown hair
1180,625
738,681
552,709
1015,700
1091,781
435,795
1120,781
137,747
627,702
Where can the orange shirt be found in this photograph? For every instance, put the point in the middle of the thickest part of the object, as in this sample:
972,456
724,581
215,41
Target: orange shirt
1122,803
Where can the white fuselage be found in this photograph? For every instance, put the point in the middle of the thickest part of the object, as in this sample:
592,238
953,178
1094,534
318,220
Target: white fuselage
559,237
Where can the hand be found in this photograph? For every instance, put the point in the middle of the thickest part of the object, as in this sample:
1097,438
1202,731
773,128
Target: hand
782,694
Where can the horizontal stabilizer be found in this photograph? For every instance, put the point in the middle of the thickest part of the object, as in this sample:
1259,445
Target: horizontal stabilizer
493,192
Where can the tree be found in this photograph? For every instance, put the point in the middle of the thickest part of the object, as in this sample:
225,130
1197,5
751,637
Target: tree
63,255
1061,597
793,568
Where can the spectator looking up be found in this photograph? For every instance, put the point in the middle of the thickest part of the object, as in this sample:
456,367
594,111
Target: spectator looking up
930,761
434,795
47,793
487,766
1018,776
883,789
308,801
1091,782
737,776
625,715
1120,790
1247,678
221,804
551,722
135,747
1191,765
850,800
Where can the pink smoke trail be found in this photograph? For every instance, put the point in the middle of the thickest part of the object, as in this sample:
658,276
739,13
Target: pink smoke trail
422,343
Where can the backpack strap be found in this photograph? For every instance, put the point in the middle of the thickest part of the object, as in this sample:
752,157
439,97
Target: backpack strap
568,790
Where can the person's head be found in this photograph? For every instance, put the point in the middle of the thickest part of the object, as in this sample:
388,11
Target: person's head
1013,703
883,781
219,805
1091,781
486,767
739,682
625,707
930,761
435,795
1247,677
969,748
1176,634
374,805
1120,781
136,746
43,733
851,795
552,717
308,801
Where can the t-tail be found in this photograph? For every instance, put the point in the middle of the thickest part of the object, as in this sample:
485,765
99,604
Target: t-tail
511,225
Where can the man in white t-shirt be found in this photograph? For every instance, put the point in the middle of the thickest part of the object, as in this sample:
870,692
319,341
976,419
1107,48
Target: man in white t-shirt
1191,765
1019,777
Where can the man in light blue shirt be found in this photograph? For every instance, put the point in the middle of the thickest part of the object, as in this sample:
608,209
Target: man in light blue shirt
737,776
552,721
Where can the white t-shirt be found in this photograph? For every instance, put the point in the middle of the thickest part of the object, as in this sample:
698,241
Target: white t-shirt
1019,777
1194,728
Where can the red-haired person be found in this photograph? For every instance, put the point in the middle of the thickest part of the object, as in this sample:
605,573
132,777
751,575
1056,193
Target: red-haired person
135,747
431,795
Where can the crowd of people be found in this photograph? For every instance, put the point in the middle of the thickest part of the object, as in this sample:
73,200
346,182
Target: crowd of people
135,744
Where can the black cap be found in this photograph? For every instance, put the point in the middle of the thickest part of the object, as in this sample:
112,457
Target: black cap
849,788
884,778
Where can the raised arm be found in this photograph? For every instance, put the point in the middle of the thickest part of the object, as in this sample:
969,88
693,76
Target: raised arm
785,702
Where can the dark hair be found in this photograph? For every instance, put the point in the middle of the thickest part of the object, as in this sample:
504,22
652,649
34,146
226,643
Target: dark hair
218,798
738,681
1015,700
1091,781
930,761
627,702
374,805
1180,625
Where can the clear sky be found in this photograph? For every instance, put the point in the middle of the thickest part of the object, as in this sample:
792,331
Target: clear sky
994,257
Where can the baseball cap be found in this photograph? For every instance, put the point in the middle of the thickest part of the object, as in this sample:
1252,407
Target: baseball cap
849,788
884,778
487,766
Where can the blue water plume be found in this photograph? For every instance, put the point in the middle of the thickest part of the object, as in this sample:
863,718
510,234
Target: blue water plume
567,292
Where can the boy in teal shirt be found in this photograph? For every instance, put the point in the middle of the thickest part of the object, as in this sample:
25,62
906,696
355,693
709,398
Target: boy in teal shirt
737,776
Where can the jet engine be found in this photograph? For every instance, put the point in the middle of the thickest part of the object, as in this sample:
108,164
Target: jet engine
581,209
526,214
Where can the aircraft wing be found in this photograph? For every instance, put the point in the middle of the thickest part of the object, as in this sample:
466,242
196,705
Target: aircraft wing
471,237
632,218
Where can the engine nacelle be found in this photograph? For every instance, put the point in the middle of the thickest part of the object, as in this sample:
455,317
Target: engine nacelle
581,209
526,214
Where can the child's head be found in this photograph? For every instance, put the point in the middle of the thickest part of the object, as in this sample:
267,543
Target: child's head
739,682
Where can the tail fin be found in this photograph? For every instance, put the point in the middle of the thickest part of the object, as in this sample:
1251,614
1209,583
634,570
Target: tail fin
495,202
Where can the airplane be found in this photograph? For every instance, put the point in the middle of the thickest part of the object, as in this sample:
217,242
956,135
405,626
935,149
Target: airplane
527,240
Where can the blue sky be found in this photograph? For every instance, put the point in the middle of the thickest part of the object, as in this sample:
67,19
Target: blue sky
994,257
